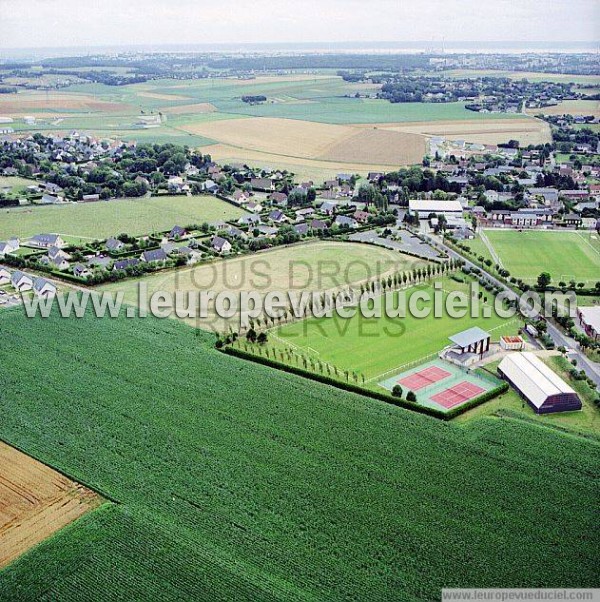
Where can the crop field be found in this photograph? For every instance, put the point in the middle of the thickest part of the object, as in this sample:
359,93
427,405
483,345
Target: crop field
572,107
376,347
35,502
565,255
234,481
533,76
486,131
308,125
109,218
317,266
320,142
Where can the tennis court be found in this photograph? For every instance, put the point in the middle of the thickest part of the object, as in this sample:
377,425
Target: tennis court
457,394
424,378
440,384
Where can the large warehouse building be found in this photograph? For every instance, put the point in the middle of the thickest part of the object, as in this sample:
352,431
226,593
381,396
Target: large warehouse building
425,207
544,390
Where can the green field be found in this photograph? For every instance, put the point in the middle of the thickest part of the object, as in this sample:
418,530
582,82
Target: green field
234,481
316,266
103,219
565,255
372,346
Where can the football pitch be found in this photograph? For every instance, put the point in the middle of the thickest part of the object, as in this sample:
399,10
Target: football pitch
567,255
379,347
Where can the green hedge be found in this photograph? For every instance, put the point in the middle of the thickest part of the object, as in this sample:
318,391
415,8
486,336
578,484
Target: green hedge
402,403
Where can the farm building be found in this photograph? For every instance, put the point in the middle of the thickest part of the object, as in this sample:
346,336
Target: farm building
589,319
425,207
544,390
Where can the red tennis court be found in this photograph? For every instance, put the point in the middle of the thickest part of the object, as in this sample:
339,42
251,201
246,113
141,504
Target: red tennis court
424,378
457,394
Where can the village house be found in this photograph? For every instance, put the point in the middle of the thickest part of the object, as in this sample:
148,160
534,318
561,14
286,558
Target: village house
43,288
318,225
21,282
5,276
154,256
123,264
301,229
44,241
262,184
343,221
328,208
279,198
221,245
9,246
177,232
277,217
114,245
361,216
254,207
81,271
249,220
240,197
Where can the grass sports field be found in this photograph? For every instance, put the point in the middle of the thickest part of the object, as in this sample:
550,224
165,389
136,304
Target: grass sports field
378,347
104,219
235,481
565,255
315,266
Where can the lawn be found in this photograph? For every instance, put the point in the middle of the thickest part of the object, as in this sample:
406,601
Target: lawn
375,346
104,219
235,481
16,184
565,255
315,266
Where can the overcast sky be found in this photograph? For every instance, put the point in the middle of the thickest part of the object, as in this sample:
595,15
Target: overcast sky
50,23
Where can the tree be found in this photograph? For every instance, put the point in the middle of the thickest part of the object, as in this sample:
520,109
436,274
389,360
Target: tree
410,396
544,280
262,338
251,335
397,391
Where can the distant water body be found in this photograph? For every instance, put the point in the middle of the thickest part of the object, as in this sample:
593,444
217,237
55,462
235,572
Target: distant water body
430,47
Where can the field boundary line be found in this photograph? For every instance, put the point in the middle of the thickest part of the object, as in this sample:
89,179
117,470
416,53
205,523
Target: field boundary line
404,366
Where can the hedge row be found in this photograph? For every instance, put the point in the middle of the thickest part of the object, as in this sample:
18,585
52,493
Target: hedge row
402,403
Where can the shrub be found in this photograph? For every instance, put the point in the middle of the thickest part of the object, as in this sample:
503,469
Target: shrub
397,391
410,396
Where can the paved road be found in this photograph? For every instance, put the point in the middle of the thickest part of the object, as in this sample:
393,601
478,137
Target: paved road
592,369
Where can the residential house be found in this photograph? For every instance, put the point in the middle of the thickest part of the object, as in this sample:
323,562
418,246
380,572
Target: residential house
301,229
240,197
81,271
361,216
572,219
114,245
220,245
177,232
9,246
302,214
123,264
279,198
277,217
328,207
267,231
209,186
21,282
43,288
5,276
44,241
318,225
343,221
49,199
262,184
254,207
249,220
154,256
